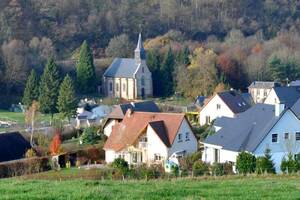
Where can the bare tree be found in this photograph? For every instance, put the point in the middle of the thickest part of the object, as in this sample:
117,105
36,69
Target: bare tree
31,116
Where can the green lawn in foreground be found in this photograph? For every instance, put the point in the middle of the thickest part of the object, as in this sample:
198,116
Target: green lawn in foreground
271,187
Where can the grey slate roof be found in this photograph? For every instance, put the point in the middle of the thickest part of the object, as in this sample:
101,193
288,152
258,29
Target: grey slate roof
246,131
122,67
264,84
296,108
234,101
144,106
287,95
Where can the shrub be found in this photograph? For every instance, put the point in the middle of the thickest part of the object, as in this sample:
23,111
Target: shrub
121,165
245,163
217,169
55,147
265,164
289,165
30,153
200,168
188,161
175,170
89,136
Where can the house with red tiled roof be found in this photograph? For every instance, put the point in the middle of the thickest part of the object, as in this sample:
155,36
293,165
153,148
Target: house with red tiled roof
149,137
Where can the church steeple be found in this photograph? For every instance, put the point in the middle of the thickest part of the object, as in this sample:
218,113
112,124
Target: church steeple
139,52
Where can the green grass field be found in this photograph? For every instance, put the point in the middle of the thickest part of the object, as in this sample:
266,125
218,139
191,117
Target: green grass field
63,186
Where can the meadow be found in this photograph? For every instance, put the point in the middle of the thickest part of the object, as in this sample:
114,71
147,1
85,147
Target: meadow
64,185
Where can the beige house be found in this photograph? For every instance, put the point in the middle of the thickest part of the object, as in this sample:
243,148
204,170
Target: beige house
129,78
259,90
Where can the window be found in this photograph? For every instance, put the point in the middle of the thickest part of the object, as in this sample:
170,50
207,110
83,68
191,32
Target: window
179,137
274,138
298,136
157,157
265,93
187,136
207,119
124,87
143,70
134,157
143,81
110,86
117,87
218,106
286,136
216,155
258,92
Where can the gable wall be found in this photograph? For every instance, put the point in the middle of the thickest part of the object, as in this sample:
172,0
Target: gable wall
287,124
155,145
211,110
148,87
190,146
272,98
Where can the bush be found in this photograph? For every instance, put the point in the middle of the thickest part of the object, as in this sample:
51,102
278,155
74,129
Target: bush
289,165
121,165
217,169
175,170
89,136
265,164
30,153
245,163
200,168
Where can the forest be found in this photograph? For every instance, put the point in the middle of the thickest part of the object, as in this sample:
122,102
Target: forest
194,47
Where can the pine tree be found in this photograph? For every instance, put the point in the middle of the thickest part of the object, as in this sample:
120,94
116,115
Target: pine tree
31,91
153,62
85,70
66,103
49,87
183,56
167,70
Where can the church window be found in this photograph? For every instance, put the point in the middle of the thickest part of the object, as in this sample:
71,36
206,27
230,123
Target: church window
117,87
143,71
124,87
110,86
143,81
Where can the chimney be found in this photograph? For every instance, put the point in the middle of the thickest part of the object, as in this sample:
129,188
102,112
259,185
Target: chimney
130,112
279,107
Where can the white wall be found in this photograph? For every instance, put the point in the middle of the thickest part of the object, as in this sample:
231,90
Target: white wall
148,87
189,146
155,145
208,154
110,156
108,127
211,110
259,94
272,98
288,123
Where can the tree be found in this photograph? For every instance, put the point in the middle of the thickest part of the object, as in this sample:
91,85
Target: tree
245,163
89,136
265,163
66,103
30,118
121,165
55,148
167,70
85,70
31,91
119,47
183,56
49,87
153,62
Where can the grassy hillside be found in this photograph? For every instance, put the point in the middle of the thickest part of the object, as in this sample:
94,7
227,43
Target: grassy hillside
273,187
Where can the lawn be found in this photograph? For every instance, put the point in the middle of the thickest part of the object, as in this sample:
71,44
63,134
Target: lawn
60,187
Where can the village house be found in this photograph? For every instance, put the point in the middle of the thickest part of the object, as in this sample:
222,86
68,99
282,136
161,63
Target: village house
223,104
129,78
145,137
259,90
286,95
119,111
260,127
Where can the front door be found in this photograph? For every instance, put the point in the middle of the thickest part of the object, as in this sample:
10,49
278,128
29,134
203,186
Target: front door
143,93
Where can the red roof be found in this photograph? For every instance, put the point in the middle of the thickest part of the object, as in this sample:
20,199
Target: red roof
128,131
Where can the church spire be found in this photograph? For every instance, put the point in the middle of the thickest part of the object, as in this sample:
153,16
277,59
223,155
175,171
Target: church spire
139,52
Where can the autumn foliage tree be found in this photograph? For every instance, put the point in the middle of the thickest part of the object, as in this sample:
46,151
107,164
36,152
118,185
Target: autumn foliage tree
55,144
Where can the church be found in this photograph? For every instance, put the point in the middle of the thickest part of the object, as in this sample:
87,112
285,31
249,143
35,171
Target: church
129,78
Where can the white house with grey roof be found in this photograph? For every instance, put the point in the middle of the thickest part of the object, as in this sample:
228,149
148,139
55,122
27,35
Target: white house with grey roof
223,104
262,126
129,78
286,95
259,90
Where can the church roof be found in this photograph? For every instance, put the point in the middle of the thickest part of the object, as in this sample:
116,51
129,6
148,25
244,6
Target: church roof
122,68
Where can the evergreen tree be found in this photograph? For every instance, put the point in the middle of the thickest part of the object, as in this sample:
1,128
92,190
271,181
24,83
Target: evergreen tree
183,56
49,87
167,70
85,70
153,62
66,103
31,91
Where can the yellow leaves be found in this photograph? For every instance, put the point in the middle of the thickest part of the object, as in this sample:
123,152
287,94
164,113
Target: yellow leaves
203,58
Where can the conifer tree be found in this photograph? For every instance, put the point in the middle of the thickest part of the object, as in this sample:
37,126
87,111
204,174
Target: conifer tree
66,103
85,70
153,62
167,70
49,87
31,91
